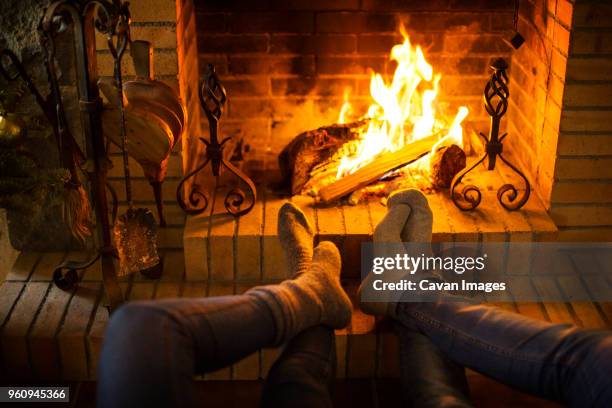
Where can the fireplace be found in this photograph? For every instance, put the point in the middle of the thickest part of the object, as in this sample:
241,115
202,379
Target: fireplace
288,66
291,67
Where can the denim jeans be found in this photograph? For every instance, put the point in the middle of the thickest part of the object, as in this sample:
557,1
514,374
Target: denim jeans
555,361
152,350
429,379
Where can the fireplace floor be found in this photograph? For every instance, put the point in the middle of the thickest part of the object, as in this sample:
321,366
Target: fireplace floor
50,334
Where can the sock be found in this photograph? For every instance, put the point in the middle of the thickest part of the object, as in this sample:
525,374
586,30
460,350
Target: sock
314,297
296,237
389,229
418,226
408,219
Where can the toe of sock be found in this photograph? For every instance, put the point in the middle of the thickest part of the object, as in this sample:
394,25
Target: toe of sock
289,214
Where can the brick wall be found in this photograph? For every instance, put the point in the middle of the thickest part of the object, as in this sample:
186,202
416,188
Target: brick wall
189,77
537,79
581,199
287,63
559,113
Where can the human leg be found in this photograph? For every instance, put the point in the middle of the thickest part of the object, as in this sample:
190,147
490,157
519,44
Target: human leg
152,349
559,362
554,361
429,378
303,374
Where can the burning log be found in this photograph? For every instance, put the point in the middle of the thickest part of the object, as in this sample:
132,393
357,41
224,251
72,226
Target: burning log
446,162
378,168
312,148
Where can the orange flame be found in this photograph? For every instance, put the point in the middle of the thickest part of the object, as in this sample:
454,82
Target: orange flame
347,109
402,111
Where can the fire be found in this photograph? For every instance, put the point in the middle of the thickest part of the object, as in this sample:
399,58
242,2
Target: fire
402,111
347,109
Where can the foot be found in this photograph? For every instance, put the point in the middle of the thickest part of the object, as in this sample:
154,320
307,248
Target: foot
296,238
314,297
418,226
390,228
408,219
323,280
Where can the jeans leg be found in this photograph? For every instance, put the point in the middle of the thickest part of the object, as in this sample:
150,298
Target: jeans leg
554,361
302,375
429,378
152,349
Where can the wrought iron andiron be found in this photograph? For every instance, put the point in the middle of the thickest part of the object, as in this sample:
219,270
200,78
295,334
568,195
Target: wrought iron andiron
496,95
213,98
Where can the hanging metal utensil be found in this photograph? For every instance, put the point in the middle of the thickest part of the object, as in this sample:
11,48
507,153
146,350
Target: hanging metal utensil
156,99
135,231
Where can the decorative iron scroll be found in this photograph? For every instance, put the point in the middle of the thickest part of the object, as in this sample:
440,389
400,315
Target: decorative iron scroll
496,94
212,98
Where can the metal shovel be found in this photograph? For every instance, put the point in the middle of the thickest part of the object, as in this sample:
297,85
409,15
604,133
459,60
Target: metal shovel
135,232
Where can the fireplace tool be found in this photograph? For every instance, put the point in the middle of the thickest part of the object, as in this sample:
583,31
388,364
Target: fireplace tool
496,94
135,231
212,98
110,18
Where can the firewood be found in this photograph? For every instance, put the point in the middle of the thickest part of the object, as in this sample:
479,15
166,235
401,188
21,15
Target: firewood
314,147
378,168
446,162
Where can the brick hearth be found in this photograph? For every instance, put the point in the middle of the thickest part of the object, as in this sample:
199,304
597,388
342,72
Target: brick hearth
221,248
50,334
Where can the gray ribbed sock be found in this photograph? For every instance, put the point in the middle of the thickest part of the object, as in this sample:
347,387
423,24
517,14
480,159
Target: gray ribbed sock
389,229
296,237
408,219
314,297
418,226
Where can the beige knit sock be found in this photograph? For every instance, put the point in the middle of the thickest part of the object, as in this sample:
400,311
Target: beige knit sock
418,226
408,219
296,237
314,297
389,229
